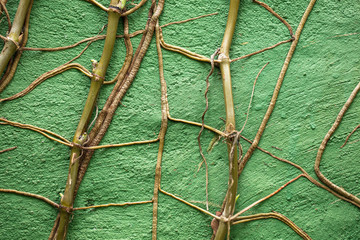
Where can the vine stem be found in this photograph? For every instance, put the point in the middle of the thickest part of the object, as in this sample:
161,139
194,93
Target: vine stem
311,179
163,129
48,201
189,204
267,197
267,7
277,87
251,98
8,149
46,76
4,9
351,133
236,169
307,175
124,82
80,136
51,135
112,205
274,215
224,58
203,127
101,37
323,144
15,38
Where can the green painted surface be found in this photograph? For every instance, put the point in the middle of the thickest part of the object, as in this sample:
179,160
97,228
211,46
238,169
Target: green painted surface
323,72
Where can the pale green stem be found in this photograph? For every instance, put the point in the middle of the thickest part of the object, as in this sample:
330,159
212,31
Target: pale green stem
230,118
80,134
13,37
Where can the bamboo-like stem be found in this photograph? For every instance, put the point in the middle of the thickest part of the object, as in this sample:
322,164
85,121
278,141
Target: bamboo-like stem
124,81
12,66
94,134
80,136
123,84
163,128
229,206
13,38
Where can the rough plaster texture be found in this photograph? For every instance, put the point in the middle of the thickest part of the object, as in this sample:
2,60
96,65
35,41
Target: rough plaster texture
323,72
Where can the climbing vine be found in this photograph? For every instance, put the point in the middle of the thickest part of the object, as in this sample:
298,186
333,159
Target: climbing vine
135,148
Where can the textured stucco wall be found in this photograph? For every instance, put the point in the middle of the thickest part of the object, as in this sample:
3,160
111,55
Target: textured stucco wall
324,70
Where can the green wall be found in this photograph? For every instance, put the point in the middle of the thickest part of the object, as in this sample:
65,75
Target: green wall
324,70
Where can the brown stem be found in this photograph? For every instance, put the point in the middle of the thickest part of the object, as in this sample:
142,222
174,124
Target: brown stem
277,87
42,198
112,205
264,5
46,76
101,37
311,179
323,144
267,197
260,51
190,204
120,144
46,133
277,216
134,8
251,98
347,138
3,8
8,149
203,126
183,51
163,128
